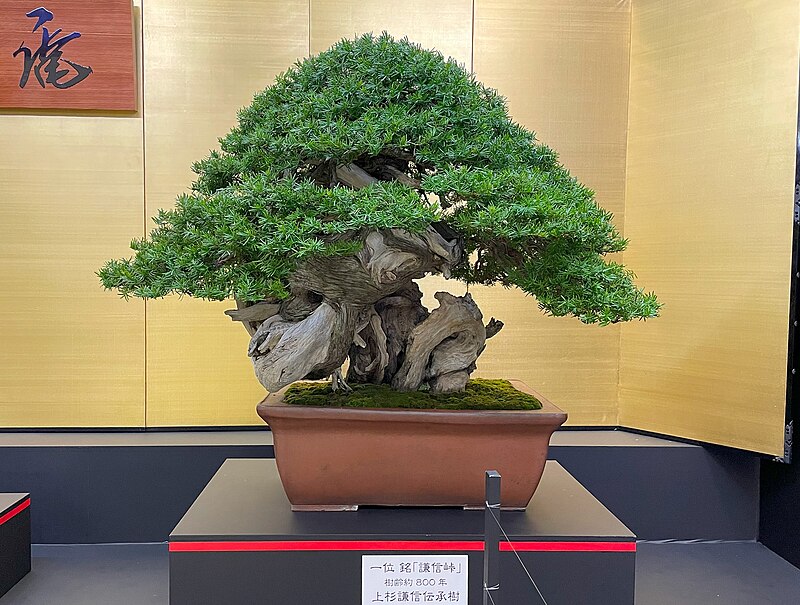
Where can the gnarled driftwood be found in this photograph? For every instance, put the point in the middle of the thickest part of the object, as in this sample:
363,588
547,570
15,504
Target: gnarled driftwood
367,307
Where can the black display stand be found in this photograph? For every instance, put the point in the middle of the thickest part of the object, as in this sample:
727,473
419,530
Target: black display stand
240,543
15,539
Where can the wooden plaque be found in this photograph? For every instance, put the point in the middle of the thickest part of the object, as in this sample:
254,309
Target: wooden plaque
67,54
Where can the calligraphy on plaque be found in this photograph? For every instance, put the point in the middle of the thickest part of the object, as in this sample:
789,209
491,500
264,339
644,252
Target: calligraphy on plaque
414,579
67,54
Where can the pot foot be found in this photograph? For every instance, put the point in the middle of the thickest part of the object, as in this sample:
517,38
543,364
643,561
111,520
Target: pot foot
301,508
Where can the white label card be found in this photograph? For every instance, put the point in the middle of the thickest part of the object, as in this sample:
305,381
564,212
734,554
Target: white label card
414,579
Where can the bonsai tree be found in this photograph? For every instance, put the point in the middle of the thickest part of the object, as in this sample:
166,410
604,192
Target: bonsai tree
358,172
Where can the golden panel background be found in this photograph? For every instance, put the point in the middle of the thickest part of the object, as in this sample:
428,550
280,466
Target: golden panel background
713,106
563,65
203,62
697,166
72,197
445,25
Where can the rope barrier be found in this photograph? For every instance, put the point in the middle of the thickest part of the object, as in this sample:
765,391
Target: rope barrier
511,545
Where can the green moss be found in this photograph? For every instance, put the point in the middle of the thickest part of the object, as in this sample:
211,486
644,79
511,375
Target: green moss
480,394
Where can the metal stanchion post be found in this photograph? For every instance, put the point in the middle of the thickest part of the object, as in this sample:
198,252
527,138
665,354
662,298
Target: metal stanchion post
491,545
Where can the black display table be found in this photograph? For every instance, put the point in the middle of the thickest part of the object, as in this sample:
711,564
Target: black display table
240,543
15,539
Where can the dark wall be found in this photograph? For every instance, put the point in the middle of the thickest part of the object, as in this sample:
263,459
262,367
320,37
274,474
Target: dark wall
112,494
672,493
780,505
779,521
780,483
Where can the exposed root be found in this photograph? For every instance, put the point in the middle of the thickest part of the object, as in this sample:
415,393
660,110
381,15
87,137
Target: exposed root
338,383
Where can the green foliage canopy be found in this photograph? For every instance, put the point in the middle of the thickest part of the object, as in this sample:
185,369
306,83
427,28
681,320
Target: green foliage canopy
267,200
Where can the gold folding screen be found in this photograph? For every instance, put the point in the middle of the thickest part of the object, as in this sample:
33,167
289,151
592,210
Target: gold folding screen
711,161
563,65
72,196
445,25
200,66
707,208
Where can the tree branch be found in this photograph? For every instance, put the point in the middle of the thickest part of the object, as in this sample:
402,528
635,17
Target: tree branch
354,176
389,259
251,315
402,177
256,312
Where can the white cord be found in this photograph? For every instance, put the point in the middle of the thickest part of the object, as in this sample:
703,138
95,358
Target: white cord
511,546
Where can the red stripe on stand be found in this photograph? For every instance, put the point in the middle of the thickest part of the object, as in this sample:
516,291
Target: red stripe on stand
285,545
396,545
16,510
568,546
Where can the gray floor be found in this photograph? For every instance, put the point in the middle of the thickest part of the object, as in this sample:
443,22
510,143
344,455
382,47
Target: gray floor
722,574
666,574
94,574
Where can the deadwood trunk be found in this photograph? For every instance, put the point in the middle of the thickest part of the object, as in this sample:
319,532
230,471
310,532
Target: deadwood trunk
367,308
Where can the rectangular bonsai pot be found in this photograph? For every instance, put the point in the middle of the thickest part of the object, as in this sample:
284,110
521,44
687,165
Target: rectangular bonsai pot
334,458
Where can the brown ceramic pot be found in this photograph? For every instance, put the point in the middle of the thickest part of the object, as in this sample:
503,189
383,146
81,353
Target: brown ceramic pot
340,458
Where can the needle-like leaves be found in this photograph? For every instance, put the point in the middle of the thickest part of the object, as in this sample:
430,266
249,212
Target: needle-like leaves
267,199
